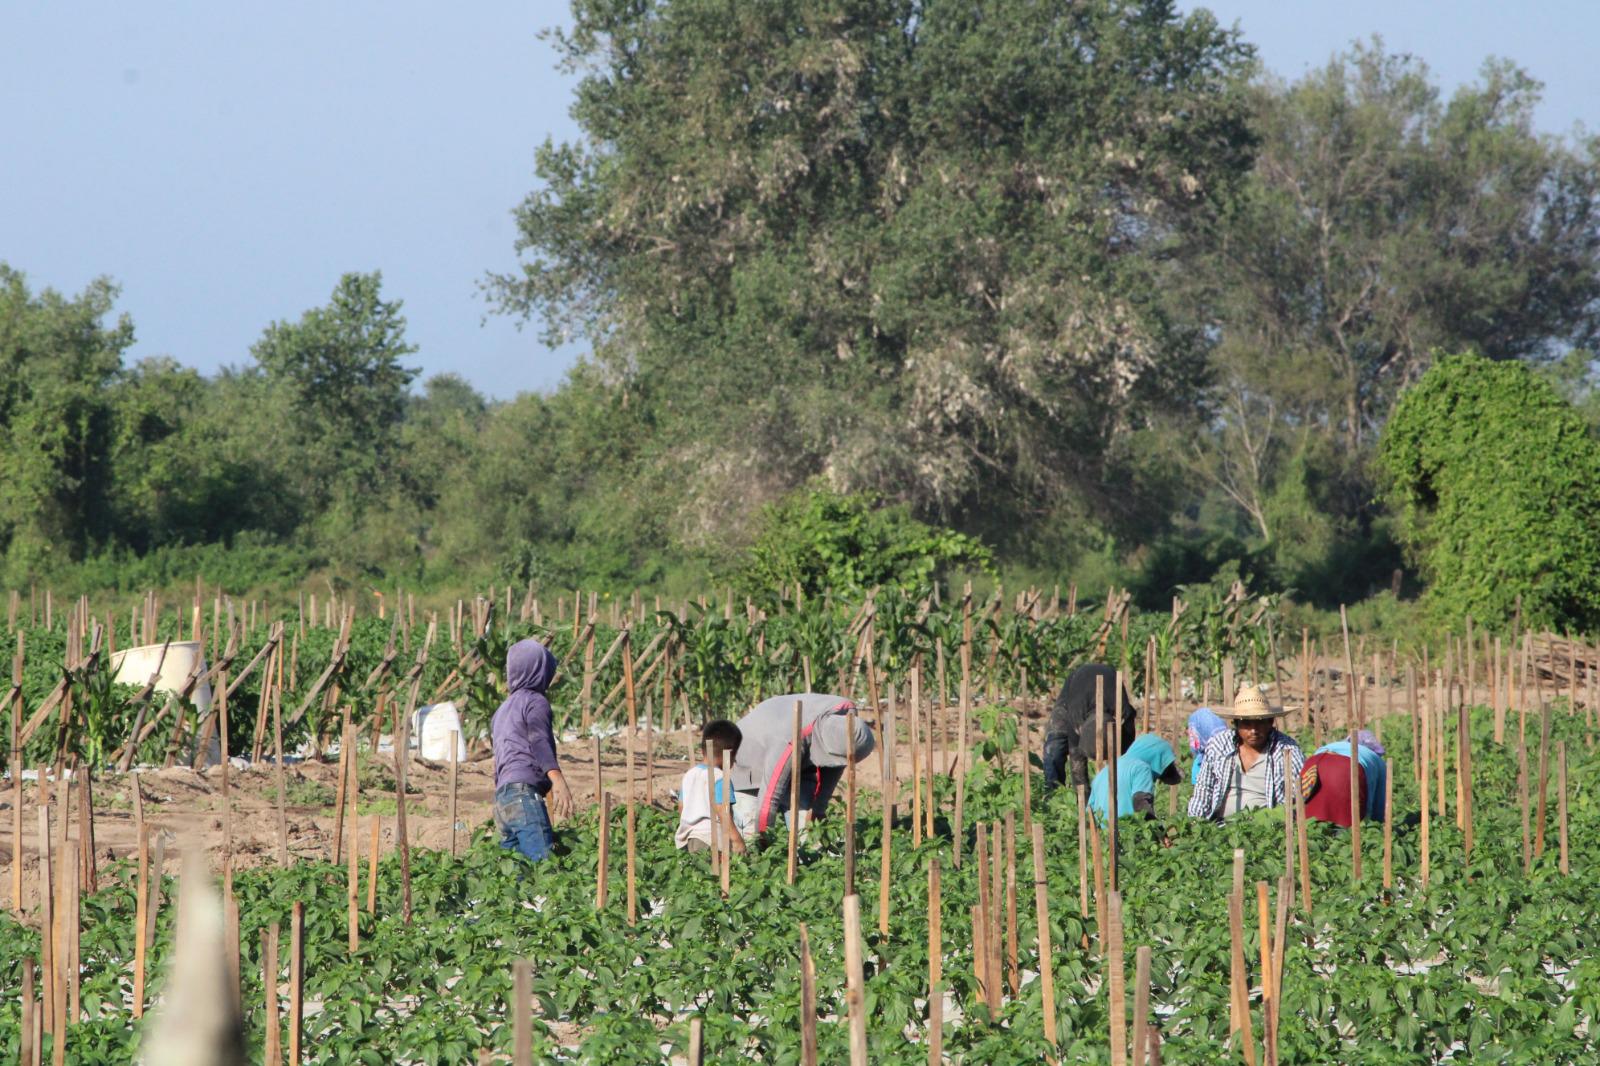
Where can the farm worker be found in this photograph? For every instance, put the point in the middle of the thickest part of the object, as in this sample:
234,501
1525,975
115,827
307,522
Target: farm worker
765,760
525,766
1325,780
1071,729
1244,766
1149,759
1203,725
695,794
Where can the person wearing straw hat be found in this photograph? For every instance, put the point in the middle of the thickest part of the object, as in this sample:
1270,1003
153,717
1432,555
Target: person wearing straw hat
1244,766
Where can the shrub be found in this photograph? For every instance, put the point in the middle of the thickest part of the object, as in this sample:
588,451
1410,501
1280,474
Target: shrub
1495,482
824,539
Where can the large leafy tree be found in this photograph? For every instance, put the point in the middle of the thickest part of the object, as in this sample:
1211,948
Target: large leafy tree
59,357
339,375
919,247
1381,222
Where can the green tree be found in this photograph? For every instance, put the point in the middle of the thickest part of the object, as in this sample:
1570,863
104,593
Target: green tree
918,248
1381,222
58,360
339,368
1496,484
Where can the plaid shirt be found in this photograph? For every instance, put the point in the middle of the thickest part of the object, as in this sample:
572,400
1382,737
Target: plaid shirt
1222,758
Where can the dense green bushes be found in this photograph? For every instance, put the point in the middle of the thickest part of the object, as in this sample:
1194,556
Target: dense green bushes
1496,484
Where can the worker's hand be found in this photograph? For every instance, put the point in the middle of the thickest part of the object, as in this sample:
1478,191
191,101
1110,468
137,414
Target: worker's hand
561,806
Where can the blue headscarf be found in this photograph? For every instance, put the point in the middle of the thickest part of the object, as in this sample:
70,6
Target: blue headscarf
1372,764
1147,758
1203,725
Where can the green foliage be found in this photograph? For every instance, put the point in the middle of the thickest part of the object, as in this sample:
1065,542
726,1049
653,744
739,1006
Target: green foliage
820,539
1496,484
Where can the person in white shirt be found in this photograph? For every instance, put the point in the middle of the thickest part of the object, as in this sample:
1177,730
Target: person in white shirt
702,786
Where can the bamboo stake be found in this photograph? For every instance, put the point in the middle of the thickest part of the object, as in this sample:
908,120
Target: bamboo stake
849,805
958,838
1041,907
1464,777
808,1001
297,923
273,1052
981,946
47,924
1426,749
1116,979
353,881
916,752
886,792
1241,981
855,993
1083,865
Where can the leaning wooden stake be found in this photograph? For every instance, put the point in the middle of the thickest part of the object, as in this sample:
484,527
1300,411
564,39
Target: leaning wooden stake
141,904
855,991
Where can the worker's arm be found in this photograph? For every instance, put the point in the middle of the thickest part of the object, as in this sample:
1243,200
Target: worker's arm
730,831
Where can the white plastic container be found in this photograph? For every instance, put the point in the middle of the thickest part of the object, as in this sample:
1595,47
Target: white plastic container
431,727
133,666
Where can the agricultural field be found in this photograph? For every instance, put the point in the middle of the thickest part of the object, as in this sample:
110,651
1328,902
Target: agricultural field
947,909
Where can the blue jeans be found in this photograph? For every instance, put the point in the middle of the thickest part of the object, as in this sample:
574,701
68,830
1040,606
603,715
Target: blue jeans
524,823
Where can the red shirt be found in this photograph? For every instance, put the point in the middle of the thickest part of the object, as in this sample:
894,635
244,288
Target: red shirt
1325,785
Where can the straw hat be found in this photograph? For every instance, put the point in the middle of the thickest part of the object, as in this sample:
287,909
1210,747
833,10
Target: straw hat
1250,705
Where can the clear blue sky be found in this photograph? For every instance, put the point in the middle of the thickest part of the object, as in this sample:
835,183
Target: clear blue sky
225,163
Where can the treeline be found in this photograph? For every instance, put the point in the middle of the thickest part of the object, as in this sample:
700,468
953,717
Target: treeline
1080,282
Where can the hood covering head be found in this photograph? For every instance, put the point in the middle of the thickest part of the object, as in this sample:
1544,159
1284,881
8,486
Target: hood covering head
1203,725
1367,740
1153,751
530,666
832,738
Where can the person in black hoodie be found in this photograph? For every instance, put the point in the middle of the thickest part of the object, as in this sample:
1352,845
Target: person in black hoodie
1070,732
525,766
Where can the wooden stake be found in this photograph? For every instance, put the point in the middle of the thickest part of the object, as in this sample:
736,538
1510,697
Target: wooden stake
1388,830
297,923
141,904
1268,983
603,860
1544,778
886,792
1041,909
855,991
1116,979
1241,980
1561,803
455,742
522,1013
794,795
47,923
1141,1001
958,838
1522,798
935,923
353,881
1426,749
273,1051
28,1054
1083,864
808,1001
1013,967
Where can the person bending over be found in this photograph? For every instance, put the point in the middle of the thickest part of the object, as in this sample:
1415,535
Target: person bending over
1244,766
525,767
1149,759
1071,729
766,757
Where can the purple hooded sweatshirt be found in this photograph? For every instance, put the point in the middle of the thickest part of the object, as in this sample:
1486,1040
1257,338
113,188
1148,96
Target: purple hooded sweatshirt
522,732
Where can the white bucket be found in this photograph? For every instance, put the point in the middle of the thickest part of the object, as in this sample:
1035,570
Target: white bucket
133,666
431,727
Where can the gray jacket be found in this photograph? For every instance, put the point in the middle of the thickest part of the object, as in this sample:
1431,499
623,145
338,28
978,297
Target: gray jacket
764,762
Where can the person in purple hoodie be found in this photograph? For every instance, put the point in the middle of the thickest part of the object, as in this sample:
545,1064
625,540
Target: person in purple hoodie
525,766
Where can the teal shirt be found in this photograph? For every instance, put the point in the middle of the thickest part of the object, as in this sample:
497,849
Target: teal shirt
1147,758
